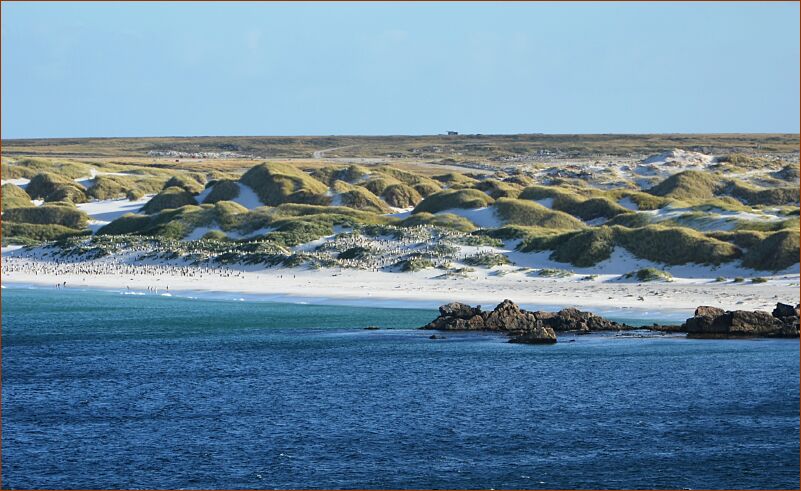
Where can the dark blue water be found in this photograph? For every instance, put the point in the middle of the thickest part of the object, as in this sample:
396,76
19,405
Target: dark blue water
102,390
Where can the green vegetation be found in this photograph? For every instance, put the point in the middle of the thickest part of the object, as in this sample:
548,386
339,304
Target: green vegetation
758,279
401,196
649,274
28,167
33,233
350,174
690,184
669,245
527,213
775,252
51,187
50,214
487,260
554,273
276,184
573,203
456,180
358,198
222,190
674,245
415,264
447,200
754,195
173,197
14,197
444,220
498,189
215,235
188,182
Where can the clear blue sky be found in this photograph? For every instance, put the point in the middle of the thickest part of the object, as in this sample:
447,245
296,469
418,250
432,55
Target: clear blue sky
145,69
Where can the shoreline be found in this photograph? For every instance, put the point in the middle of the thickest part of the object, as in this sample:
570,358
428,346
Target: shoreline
672,302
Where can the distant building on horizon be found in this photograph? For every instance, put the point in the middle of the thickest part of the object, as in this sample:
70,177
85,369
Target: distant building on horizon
453,132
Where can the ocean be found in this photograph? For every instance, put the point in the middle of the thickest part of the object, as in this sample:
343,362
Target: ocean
105,390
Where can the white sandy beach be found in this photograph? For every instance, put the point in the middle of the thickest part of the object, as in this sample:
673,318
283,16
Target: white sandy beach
428,288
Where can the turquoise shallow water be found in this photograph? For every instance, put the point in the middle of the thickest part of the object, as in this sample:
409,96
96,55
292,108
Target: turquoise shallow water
102,390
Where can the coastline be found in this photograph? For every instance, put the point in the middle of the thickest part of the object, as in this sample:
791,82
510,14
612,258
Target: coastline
673,301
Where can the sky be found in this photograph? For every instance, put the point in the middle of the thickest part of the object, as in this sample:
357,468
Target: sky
192,69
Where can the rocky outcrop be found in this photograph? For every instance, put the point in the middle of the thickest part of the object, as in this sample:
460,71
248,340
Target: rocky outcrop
711,322
540,327
523,326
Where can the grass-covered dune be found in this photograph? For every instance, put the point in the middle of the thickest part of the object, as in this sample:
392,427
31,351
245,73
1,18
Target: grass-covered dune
528,213
277,183
27,168
14,197
667,245
49,214
448,200
52,187
401,195
775,252
573,203
350,174
288,224
358,198
172,197
34,233
499,189
455,180
444,220
189,182
222,190
693,185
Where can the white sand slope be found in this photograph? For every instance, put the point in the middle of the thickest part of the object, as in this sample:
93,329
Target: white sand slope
102,212
247,196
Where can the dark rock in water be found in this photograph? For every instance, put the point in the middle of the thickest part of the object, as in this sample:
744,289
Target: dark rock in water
434,336
707,311
712,322
372,328
541,327
459,310
784,310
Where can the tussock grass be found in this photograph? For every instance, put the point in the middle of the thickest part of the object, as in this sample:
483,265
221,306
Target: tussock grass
527,213
49,214
359,198
455,180
444,220
650,274
499,189
14,197
579,203
426,189
173,197
29,167
350,174
668,245
189,182
51,187
754,195
775,252
33,233
378,185
222,190
675,245
401,196
277,183
689,184
446,200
